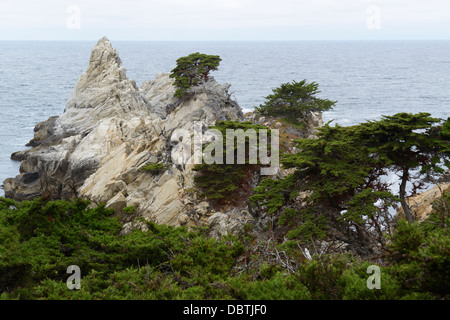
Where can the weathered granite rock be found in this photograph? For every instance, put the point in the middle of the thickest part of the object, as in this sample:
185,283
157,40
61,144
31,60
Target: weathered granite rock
70,148
222,223
109,130
421,204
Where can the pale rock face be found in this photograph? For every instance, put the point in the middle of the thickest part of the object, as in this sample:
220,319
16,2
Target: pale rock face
222,223
70,148
421,204
109,130
103,91
159,94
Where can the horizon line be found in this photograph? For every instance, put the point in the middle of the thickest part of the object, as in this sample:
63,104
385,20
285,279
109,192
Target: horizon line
245,40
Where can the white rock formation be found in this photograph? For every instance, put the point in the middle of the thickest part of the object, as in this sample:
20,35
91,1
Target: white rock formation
109,129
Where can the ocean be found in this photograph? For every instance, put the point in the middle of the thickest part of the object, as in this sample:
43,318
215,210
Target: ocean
367,78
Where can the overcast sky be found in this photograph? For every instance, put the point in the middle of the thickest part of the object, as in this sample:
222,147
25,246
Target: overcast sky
224,19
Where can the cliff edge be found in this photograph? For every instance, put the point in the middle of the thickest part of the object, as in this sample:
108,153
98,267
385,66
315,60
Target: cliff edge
109,130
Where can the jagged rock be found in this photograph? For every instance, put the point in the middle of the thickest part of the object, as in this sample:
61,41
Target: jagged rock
159,94
43,132
202,208
110,129
118,202
71,147
103,91
133,225
421,204
221,224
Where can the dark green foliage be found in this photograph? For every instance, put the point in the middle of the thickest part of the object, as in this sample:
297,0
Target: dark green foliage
129,210
362,205
445,132
293,100
332,169
193,70
420,253
219,182
277,287
333,166
222,182
39,240
309,226
343,169
273,194
353,282
321,275
154,168
404,142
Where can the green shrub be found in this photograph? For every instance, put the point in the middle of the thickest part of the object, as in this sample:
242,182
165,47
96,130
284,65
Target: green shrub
278,287
309,226
446,129
321,277
39,240
154,168
420,252
293,100
225,183
354,284
129,210
192,70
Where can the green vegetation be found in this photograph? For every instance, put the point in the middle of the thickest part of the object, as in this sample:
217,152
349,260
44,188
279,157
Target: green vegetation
343,170
445,132
39,240
420,253
293,101
154,168
222,182
403,143
192,70
129,210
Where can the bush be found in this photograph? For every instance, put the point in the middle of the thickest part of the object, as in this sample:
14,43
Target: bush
278,287
222,182
445,132
354,284
293,100
321,277
154,168
193,70
39,240
129,210
420,252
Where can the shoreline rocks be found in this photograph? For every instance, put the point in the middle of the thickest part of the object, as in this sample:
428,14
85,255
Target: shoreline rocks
110,129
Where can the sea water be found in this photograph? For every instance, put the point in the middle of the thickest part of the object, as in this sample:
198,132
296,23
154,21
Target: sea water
366,78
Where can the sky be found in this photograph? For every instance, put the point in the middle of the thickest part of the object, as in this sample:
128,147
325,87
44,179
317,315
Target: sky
223,20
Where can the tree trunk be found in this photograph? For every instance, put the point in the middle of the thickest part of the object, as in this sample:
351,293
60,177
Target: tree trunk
405,207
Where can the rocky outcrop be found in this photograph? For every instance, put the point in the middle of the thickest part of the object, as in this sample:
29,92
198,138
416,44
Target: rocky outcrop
311,124
109,130
421,204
